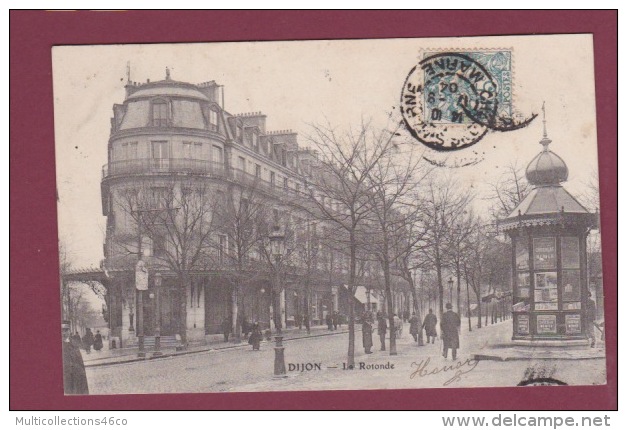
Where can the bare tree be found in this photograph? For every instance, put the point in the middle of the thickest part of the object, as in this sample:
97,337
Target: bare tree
508,191
443,203
458,250
394,213
176,220
241,217
342,191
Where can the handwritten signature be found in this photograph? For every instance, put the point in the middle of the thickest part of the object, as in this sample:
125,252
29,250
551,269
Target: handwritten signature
460,368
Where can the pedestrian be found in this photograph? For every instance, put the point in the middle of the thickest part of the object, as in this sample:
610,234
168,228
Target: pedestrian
329,320
226,328
430,324
74,377
306,322
366,332
382,328
450,331
88,340
299,321
76,340
591,316
98,341
255,337
414,326
335,319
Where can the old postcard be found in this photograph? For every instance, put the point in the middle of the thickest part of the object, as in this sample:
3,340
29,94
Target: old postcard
329,215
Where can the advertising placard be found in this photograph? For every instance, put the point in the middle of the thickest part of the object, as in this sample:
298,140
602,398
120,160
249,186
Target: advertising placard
546,324
522,326
544,253
573,324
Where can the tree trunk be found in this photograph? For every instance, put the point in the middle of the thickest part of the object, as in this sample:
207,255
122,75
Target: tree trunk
351,313
438,269
479,315
459,287
421,341
390,306
185,282
468,305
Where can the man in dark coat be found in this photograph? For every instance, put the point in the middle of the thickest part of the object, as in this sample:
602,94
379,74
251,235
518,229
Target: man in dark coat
98,341
366,331
255,337
382,329
450,330
329,320
429,325
226,328
414,326
88,340
74,377
591,316
76,340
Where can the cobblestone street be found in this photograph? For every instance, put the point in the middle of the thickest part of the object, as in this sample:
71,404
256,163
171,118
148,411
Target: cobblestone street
241,369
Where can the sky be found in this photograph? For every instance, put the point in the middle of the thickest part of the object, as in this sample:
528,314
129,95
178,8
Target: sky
299,83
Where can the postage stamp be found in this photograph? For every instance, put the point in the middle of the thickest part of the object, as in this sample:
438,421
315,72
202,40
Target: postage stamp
450,100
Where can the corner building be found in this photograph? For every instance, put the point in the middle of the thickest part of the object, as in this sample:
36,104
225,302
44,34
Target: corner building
167,133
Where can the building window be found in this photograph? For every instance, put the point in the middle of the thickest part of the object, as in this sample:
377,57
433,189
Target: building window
240,132
187,150
213,120
160,114
242,163
285,183
160,149
255,142
217,155
222,247
124,151
272,177
132,150
158,246
258,170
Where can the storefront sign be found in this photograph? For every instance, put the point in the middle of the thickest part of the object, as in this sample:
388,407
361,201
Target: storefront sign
544,253
546,324
573,324
522,324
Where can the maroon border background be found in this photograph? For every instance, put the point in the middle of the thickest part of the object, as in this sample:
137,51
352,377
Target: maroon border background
35,369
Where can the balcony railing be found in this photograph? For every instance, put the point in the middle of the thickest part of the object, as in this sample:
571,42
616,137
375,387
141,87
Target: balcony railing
162,165
192,166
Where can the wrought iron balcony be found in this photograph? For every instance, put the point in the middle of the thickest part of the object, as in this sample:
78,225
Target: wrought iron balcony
162,165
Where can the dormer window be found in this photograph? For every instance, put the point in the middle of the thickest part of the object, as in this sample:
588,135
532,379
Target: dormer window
213,120
255,141
160,113
240,132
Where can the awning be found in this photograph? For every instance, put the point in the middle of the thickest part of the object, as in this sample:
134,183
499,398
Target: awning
361,294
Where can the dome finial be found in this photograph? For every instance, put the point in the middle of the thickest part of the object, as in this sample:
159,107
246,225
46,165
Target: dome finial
545,140
167,74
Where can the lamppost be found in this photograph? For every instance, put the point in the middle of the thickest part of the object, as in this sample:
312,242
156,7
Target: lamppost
276,243
450,291
158,280
141,285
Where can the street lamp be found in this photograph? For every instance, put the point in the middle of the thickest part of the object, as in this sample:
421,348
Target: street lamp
141,285
450,290
158,280
277,240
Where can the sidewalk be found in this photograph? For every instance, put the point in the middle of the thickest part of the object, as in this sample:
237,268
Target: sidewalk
127,355
424,367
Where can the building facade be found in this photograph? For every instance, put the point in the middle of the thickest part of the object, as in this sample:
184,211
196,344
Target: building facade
178,160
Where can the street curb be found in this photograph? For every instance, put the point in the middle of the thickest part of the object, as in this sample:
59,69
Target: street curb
488,357
176,354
